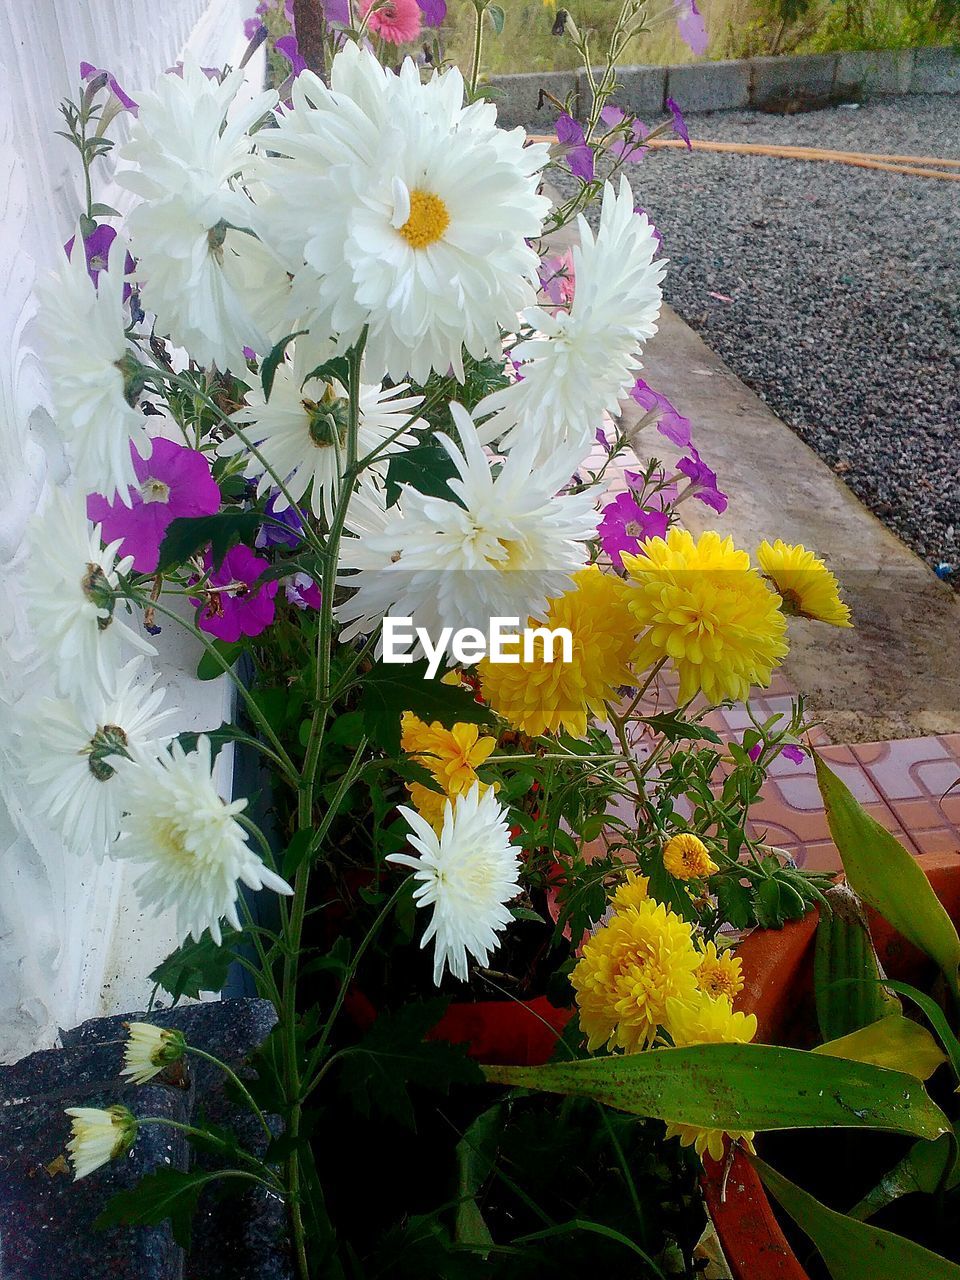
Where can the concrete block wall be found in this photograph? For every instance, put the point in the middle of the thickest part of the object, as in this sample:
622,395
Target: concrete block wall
735,85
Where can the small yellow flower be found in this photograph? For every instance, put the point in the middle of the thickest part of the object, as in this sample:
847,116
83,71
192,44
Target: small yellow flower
630,894
720,973
98,1136
687,857
628,971
701,605
807,587
149,1049
545,697
451,755
708,1021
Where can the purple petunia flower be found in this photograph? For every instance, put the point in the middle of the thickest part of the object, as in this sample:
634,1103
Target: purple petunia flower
248,607
283,529
691,26
337,11
174,481
670,423
679,124
629,149
302,591
96,248
796,754
579,155
625,525
287,45
88,72
703,482
434,11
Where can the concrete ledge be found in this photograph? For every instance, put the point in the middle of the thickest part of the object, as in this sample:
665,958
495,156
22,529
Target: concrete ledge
773,78
518,97
641,90
875,72
935,71
710,86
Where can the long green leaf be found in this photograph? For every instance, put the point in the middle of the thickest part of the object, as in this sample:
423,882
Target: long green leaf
893,1042
740,1087
935,1016
854,1250
924,1168
886,876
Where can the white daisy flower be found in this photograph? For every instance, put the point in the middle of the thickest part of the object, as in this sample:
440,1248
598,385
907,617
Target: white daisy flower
69,753
70,584
189,143
192,851
583,361
501,545
410,211
303,427
98,1136
149,1050
468,873
93,372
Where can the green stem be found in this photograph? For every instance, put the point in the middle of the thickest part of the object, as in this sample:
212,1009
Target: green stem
203,1136
480,7
238,1085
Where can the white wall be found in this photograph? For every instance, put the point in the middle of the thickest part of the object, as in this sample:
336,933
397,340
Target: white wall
72,941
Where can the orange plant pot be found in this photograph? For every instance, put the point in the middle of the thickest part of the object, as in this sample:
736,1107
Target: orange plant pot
778,975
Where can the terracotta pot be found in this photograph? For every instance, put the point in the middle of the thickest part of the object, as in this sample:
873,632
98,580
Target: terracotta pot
778,975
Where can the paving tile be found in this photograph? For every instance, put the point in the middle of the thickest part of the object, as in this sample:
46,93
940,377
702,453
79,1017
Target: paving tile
942,840
918,815
897,767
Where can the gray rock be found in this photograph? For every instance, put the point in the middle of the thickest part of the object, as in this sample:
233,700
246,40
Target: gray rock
773,79
518,98
936,71
875,72
640,90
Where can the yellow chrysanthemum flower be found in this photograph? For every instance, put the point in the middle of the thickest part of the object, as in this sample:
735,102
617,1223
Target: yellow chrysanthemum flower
708,1021
807,587
630,894
687,857
628,971
541,697
702,605
451,755
720,973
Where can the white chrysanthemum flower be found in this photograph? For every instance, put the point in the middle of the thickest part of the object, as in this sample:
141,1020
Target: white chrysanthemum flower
70,752
70,584
92,370
501,545
189,146
468,873
302,428
410,211
149,1050
582,362
98,1136
192,850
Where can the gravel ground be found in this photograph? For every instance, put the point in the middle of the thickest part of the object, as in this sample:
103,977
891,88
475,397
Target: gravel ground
839,293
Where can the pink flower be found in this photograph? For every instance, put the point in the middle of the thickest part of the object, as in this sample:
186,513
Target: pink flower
302,591
557,278
174,481
398,21
241,607
625,525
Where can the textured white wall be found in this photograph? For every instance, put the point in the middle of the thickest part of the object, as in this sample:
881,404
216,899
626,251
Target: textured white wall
72,942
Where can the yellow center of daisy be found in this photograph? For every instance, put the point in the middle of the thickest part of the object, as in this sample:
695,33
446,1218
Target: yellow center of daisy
428,220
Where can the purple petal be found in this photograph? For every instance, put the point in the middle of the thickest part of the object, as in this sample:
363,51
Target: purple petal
434,11
581,165
691,26
679,124
287,45
569,131
671,424
88,71
703,482
612,115
626,525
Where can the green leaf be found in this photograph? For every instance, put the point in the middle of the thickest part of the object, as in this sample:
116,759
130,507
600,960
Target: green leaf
846,973
923,1168
475,1153
168,1193
190,535
218,737
378,1070
104,211
893,1042
741,1086
297,851
734,901
886,876
675,729
338,368
389,690
271,363
196,966
425,467
497,18
853,1250
208,668
935,1016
